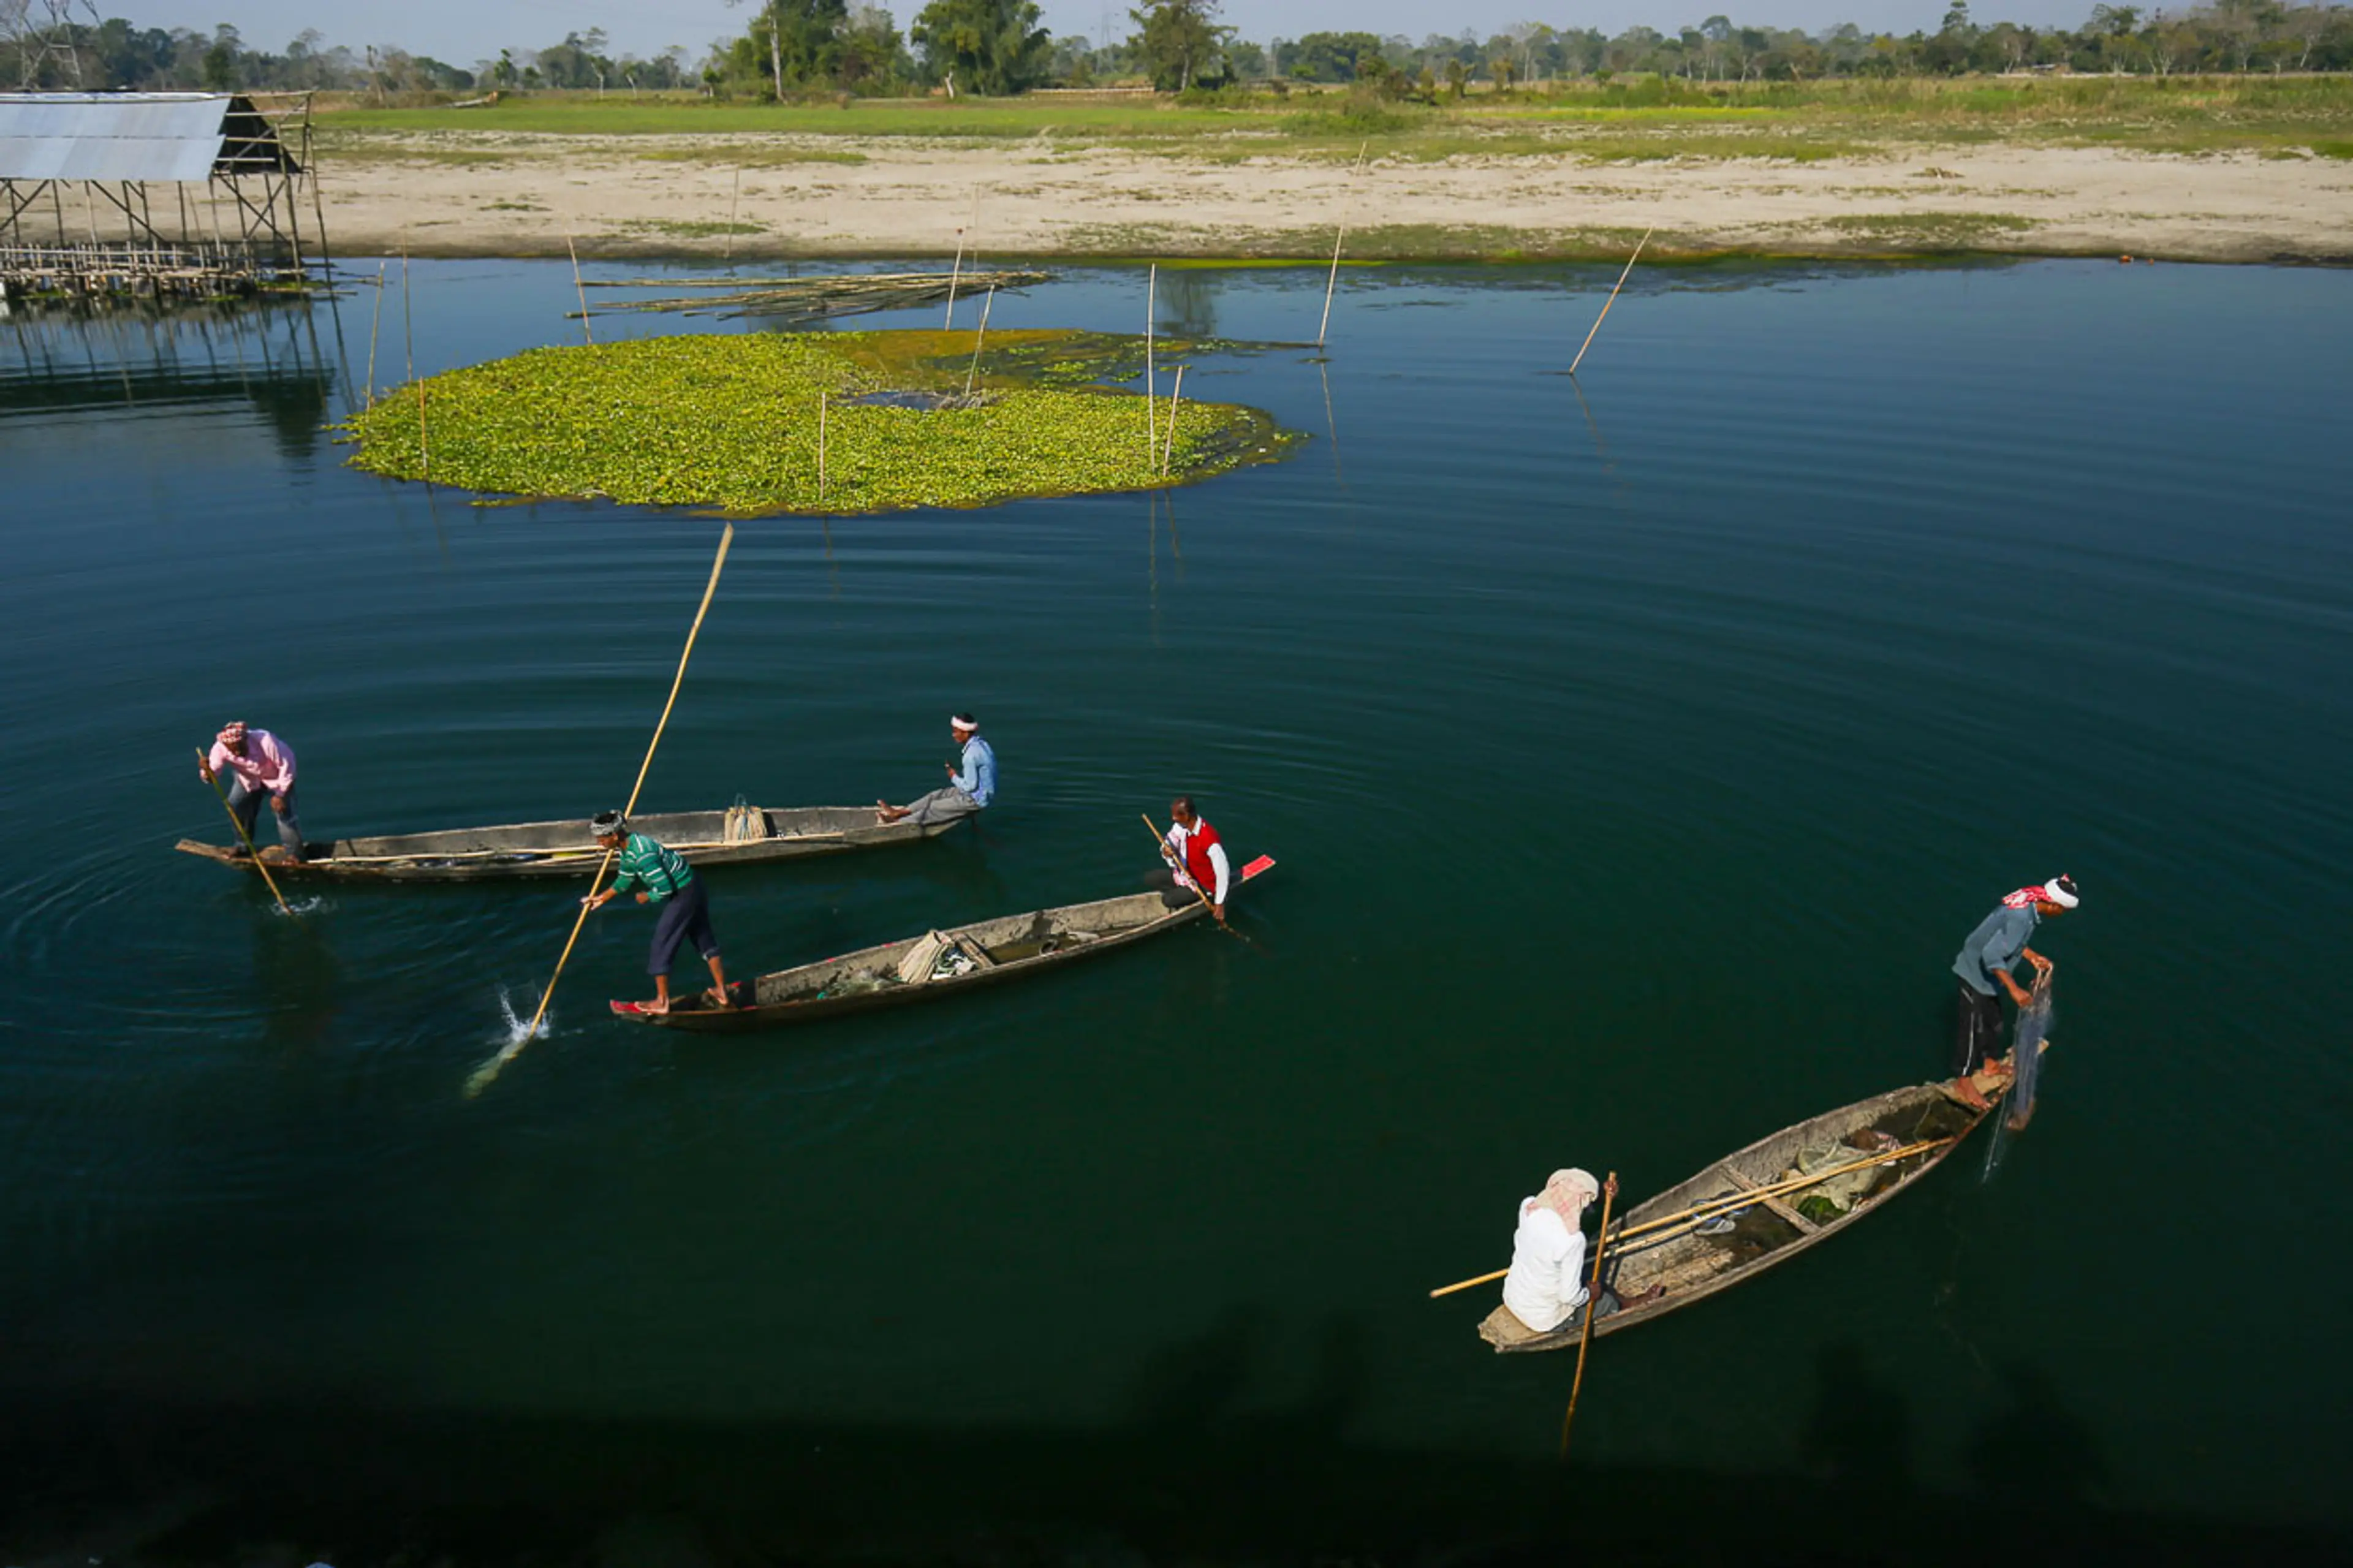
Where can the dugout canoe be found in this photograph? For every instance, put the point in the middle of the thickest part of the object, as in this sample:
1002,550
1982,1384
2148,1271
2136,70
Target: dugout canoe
998,949
1766,1231
565,849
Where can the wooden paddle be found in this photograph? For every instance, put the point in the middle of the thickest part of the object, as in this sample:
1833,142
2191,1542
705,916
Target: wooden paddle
1700,1213
513,1049
1161,839
1592,1310
242,835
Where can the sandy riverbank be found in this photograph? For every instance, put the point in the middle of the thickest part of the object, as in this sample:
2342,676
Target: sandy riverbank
781,197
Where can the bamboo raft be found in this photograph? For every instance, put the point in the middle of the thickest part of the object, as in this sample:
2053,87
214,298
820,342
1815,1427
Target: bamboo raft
986,952
565,848
810,299
1739,1216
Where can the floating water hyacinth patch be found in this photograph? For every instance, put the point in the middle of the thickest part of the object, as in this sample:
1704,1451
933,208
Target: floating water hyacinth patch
732,422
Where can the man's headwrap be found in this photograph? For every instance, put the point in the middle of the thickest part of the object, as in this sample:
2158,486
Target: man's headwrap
1568,1192
962,725
2060,890
608,824
231,733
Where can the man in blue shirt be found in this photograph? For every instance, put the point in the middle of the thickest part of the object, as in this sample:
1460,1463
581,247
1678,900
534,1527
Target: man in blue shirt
1986,960
969,788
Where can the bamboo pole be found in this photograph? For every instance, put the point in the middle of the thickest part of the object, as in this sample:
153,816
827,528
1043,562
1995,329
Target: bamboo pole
1168,450
408,348
1151,420
727,251
1592,1311
242,835
489,1071
821,400
1338,234
1699,1214
375,323
978,337
578,287
575,853
954,273
1612,300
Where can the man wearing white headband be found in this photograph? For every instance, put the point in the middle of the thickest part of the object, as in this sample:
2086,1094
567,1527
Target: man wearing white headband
969,790
258,764
1987,959
1545,1284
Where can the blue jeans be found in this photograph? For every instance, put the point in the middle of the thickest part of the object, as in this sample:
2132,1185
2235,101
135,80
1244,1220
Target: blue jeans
247,804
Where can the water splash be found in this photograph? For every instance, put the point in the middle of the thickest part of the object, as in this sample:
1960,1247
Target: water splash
518,1025
298,909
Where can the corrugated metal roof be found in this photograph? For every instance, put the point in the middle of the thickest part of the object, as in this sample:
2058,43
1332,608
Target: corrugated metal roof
158,136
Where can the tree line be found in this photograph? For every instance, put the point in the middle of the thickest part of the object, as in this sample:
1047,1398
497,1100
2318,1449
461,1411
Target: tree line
999,47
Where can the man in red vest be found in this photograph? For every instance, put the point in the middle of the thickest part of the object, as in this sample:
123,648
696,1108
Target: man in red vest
1197,859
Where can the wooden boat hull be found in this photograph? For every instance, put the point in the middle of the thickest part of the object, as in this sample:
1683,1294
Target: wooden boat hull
861,981
1768,1233
565,849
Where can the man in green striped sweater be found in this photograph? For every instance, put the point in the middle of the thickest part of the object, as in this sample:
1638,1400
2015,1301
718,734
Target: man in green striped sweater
667,882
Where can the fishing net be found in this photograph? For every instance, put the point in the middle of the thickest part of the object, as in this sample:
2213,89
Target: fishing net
2026,1056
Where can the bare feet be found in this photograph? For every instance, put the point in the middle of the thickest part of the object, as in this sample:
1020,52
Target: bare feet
1969,1095
1652,1294
658,1007
717,999
885,814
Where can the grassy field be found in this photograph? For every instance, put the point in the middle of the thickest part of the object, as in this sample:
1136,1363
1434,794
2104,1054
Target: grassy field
1639,120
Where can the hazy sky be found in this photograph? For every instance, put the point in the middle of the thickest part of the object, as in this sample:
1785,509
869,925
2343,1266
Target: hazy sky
463,31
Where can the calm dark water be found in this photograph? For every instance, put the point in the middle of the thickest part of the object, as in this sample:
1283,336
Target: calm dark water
1635,765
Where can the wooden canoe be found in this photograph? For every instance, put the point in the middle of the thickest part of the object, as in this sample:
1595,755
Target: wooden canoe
999,950
565,849
1693,1265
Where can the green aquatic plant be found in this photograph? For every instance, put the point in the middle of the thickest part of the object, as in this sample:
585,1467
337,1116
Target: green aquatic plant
905,419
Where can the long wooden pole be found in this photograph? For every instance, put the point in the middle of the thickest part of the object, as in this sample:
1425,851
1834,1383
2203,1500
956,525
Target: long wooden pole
1338,234
243,837
578,287
979,337
1699,1212
375,322
1168,447
1592,1311
955,272
513,1049
1612,300
1151,420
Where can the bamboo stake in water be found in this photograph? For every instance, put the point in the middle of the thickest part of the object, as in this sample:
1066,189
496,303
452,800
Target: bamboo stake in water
1168,451
727,251
820,444
1612,300
978,337
1592,1311
578,287
1340,234
375,322
408,350
490,1070
242,835
954,273
1151,420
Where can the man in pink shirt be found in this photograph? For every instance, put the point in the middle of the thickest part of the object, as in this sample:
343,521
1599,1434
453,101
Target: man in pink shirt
259,764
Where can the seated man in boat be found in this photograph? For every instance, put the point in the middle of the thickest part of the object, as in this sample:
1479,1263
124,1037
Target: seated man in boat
1196,858
1986,959
670,884
967,792
259,764
1545,1284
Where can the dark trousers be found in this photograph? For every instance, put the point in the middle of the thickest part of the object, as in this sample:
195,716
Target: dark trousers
247,804
686,914
1977,1028
1172,893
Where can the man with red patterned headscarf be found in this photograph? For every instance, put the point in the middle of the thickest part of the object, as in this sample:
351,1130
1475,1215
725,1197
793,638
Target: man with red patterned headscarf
258,764
1986,959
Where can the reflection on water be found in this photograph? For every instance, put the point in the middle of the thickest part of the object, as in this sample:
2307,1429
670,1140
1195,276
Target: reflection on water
268,357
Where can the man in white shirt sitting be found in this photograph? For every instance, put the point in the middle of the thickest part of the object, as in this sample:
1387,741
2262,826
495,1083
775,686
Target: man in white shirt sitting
1545,1285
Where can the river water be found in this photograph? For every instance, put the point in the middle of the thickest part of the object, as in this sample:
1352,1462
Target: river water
1636,752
